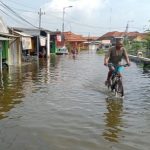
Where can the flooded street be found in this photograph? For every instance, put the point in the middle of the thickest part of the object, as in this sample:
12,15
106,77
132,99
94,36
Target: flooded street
61,104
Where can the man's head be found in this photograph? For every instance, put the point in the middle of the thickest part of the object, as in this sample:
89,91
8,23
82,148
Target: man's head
119,43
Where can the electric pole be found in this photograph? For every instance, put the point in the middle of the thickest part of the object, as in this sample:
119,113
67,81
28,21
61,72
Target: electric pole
40,15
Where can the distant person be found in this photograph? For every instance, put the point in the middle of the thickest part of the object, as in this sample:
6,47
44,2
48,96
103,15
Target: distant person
43,53
140,54
114,56
74,51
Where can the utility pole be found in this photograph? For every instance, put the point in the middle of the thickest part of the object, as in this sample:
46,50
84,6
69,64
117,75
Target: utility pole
110,19
63,26
126,30
40,15
127,27
126,33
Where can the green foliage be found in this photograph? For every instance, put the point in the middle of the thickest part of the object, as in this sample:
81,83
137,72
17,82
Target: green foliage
135,46
147,38
147,45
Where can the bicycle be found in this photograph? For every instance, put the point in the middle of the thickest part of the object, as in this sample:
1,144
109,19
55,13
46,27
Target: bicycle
115,82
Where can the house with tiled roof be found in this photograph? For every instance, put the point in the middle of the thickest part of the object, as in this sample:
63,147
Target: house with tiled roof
73,40
136,36
110,35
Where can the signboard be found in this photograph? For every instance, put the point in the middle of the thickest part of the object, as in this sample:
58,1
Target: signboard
42,41
58,38
106,42
26,43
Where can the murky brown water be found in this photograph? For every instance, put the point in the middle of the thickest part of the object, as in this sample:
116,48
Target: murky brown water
61,104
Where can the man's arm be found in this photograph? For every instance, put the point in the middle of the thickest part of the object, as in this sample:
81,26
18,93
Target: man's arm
126,57
107,56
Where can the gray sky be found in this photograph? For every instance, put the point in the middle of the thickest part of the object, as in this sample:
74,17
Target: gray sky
86,17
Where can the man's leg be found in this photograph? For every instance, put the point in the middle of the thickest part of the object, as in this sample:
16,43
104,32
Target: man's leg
108,77
111,69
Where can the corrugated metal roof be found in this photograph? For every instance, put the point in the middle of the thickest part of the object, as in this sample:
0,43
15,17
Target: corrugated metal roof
33,32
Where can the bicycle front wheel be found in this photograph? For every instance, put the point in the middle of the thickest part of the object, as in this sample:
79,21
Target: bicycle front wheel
119,90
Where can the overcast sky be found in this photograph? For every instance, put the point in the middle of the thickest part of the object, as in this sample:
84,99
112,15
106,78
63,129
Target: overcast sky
85,17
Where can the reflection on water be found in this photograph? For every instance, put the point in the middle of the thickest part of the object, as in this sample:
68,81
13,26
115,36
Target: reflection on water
10,92
19,81
113,119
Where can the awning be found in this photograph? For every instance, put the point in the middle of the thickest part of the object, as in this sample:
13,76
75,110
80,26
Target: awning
23,34
4,39
7,34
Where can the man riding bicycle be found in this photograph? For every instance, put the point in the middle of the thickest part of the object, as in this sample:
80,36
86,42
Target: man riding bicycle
114,56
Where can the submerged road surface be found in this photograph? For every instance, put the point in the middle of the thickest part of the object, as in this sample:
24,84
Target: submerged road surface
61,104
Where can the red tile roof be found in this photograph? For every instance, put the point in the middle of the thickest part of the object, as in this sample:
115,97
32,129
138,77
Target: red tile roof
113,34
71,37
91,38
119,34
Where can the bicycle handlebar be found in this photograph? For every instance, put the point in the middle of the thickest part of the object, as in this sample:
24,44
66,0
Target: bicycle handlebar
124,65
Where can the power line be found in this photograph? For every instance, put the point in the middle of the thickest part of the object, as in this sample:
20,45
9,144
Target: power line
19,4
23,10
7,7
52,14
11,17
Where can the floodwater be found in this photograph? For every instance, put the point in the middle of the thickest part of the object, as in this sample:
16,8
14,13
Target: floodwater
62,104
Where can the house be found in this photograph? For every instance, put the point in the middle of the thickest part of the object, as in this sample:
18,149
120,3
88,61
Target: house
57,41
74,41
136,36
6,40
18,45
111,36
131,36
34,41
